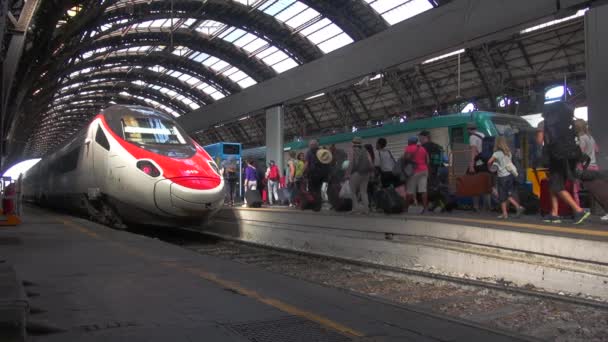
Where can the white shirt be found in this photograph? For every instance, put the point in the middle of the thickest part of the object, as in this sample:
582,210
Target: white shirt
384,160
501,162
588,146
476,141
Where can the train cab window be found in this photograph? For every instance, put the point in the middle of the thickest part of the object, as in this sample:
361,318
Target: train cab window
101,139
149,130
457,135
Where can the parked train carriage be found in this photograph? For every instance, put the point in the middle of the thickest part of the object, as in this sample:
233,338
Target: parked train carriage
130,164
449,131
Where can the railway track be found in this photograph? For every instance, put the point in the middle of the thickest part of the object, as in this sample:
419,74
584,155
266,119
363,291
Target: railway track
525,311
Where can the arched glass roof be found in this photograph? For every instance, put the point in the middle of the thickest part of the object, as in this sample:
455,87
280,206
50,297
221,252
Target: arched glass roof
178,56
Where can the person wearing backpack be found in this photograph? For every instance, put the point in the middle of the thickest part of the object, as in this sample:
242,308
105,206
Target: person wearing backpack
417,156
505,182
481,151
360,169
563,155
385,163
273,175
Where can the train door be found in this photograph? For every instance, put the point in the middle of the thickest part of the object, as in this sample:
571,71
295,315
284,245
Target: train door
101,150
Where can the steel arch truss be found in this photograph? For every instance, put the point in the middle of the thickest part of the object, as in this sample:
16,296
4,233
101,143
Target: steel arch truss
150,78
356,18
234,14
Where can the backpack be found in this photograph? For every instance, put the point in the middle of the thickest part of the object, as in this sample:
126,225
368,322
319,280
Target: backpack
487,147
273,175
560,138
435,154
362,163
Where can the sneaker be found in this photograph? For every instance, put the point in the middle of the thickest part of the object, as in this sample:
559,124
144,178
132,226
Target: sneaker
552,219
581,217
244,206
502,217
604,218
520,211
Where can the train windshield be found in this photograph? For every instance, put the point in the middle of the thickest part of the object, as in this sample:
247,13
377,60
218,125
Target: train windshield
155,131
509,125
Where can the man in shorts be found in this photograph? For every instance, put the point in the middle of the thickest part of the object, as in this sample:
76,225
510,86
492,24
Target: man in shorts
417,183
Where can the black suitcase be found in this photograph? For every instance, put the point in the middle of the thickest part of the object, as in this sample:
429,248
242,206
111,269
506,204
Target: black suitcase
596,183
389,201
254,198
284,195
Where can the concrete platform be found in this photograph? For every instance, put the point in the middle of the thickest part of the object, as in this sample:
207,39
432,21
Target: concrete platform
524,252
99,284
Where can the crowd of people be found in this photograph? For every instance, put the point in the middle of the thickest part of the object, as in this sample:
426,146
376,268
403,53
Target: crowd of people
369,178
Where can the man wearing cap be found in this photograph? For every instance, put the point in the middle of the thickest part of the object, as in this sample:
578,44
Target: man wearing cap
359,171
476,164
417,184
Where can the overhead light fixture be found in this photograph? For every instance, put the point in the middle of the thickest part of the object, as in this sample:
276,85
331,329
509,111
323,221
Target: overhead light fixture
578,14
314,96
453,53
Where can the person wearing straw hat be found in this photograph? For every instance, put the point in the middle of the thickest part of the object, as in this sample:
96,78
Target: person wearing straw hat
360,169
316,169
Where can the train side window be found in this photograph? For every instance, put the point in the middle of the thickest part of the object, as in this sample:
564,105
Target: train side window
457,135
100,138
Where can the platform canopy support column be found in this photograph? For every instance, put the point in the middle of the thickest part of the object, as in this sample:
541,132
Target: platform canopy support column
274,135
596,26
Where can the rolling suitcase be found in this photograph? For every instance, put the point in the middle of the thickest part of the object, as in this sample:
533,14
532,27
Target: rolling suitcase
596,183
284,195
545,199
474,185
254,199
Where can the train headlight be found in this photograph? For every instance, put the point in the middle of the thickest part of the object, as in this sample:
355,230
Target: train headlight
214,167
148,168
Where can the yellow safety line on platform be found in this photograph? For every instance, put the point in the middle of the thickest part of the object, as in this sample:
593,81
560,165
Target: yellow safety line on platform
328,323
270,301
577,231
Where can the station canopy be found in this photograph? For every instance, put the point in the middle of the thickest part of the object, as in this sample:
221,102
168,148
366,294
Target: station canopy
178,56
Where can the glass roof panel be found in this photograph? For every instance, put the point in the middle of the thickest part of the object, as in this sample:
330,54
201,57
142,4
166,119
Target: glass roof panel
276,57
394,11
285,65
246,39
233,35
303,17
335,42
246,82
217,95
291,11
325,33
254,45
210,27
316,26
276,6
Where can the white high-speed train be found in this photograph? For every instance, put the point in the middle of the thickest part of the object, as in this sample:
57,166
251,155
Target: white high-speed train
131,164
